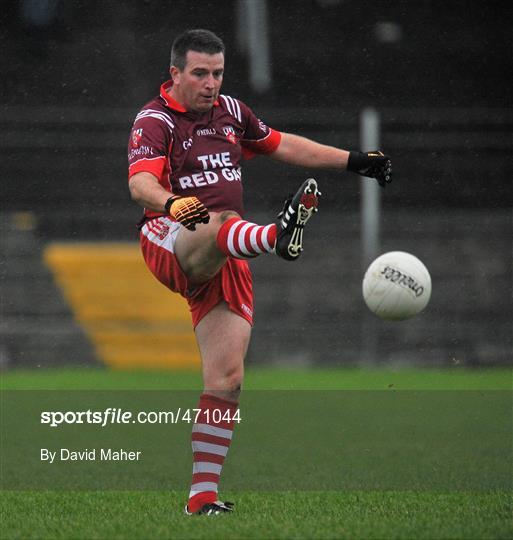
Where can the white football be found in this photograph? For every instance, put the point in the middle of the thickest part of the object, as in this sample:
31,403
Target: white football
396,286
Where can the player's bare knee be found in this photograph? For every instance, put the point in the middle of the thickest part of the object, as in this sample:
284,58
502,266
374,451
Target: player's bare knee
233,385
228,383
226,215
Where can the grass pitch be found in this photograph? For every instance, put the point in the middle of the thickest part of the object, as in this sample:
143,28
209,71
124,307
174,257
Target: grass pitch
158,515
404,513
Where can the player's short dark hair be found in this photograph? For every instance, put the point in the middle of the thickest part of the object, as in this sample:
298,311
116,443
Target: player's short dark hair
199,40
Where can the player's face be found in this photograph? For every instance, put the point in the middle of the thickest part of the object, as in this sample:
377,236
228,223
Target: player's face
197,86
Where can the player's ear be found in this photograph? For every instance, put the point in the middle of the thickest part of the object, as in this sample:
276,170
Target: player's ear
175,74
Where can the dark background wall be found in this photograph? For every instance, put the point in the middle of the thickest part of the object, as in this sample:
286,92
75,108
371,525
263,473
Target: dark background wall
323,52
438,72
72,86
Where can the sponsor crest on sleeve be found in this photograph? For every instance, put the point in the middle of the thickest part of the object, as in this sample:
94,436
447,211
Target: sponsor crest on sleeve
136,137
230,134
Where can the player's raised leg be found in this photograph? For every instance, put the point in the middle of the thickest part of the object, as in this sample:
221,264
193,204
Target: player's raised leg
203,252
244,240
223,338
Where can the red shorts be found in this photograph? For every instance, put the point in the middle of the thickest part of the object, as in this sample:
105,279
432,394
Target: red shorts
233,283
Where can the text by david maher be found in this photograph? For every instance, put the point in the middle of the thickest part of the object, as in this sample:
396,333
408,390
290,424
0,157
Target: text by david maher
101,454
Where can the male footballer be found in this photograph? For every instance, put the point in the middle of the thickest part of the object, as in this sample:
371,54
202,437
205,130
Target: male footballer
185,153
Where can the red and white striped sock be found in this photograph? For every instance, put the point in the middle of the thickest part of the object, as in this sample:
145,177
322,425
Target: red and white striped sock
211,438
244,240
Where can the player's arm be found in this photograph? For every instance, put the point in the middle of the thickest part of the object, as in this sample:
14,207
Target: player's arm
146,190
304,152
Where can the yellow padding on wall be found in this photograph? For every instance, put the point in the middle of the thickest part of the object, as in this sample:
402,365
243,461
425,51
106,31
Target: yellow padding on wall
131,318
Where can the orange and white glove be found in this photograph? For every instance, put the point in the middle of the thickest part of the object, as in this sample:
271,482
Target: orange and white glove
189,211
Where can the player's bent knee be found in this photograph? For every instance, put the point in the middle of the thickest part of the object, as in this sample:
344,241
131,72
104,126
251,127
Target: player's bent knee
226,215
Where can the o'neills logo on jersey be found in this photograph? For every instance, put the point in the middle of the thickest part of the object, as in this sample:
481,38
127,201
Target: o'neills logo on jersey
206,131
230,134
136,136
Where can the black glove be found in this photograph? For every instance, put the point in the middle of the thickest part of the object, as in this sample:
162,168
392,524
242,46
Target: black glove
372,164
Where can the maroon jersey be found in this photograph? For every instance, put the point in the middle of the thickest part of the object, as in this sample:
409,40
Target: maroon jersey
198,153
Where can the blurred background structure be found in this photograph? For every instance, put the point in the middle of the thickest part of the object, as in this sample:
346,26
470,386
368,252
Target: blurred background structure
74,288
